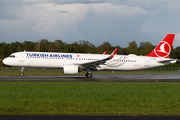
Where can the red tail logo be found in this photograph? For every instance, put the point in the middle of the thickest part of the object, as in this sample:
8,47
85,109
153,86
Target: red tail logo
164,47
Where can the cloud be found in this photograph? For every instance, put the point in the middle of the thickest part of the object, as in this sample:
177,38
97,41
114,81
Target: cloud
178,36
117,10
56,19
177,39
46,19
51,18
67,1
98,21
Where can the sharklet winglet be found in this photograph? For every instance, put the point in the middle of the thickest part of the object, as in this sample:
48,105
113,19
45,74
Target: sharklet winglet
113,53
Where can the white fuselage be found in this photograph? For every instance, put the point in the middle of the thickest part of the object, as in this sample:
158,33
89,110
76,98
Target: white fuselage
58,60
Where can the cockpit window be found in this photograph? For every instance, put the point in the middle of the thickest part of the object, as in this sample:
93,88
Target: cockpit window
12,56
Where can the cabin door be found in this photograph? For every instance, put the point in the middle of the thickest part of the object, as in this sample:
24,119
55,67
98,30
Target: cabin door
22,57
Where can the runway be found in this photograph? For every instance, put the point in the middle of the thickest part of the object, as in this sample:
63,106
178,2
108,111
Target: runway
96,78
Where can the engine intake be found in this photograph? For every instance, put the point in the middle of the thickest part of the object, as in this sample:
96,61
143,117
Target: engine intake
70,69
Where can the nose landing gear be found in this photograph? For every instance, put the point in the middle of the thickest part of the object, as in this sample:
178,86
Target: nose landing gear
88,75
22,71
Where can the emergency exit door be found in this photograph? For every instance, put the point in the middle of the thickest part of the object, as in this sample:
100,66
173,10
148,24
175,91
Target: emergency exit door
146,62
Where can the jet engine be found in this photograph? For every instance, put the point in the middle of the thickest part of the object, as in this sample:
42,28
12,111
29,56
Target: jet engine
70,69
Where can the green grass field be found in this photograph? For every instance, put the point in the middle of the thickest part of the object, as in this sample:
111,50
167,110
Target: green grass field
86,98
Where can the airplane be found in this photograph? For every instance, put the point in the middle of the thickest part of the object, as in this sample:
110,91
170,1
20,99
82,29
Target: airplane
72,63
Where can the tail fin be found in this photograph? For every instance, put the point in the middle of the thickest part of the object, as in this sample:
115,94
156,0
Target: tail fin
164,47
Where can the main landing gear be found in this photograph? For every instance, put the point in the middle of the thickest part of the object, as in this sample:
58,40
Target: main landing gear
88,75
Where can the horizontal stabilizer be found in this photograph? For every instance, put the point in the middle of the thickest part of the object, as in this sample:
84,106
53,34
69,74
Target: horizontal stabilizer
178,61
165,60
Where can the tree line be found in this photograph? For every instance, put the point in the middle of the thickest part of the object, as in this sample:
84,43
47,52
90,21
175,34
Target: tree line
81,46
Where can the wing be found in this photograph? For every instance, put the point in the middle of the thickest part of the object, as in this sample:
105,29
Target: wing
104,52
94,64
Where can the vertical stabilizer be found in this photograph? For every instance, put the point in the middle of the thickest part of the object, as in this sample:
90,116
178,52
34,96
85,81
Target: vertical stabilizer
164,47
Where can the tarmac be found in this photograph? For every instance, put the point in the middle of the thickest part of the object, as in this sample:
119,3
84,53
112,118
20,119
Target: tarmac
96,78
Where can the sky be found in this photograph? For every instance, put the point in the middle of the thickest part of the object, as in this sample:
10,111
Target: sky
97,21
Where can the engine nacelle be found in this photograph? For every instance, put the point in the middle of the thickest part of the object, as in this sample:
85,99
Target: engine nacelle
70,69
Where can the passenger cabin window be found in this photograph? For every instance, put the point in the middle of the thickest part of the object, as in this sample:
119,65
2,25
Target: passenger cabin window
12,56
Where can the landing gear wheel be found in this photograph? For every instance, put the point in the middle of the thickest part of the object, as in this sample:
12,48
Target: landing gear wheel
22,71
21,74
88,75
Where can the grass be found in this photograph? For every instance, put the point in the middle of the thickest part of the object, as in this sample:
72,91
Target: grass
86,98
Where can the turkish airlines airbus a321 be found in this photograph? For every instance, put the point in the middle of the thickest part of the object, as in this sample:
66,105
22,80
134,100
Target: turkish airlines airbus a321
72,63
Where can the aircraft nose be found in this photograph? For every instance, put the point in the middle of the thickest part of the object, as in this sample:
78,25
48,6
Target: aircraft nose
5,61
